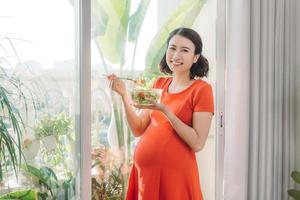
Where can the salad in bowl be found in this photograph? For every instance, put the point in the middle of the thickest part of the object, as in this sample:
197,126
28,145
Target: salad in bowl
146,96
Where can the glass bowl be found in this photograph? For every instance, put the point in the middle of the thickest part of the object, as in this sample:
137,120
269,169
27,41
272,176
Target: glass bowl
146,96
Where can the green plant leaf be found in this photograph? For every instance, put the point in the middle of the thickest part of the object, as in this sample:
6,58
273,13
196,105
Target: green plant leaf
9,145
48,172
184,16
11,121
136,20
32,170
45,175
42,196
295,194
112,36
56,125
296,176
21,195
49,177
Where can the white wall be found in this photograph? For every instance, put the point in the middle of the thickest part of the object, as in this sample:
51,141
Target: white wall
297,88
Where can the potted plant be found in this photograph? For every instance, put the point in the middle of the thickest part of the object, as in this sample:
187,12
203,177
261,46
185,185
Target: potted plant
50,187
49,128
44,131
107,174
295,193
59,153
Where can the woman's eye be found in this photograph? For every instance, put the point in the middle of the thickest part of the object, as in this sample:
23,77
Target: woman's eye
172,48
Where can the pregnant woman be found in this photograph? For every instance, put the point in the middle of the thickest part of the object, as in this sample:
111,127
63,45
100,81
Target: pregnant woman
171,131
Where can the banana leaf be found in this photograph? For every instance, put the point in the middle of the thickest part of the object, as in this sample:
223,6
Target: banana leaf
183,16
113,17
136,20
99,18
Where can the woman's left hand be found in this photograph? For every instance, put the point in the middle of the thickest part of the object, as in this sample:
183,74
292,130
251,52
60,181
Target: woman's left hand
159,106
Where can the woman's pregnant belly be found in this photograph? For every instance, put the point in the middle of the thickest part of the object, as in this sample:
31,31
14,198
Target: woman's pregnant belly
160,145
150,148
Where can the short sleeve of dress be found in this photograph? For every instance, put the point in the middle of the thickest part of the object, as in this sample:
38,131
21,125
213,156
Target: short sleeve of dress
156,83
160,82
203,99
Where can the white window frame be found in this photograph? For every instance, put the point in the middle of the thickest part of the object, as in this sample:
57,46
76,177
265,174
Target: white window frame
220,98
83,114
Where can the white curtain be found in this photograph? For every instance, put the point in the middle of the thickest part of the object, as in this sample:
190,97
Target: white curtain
259,123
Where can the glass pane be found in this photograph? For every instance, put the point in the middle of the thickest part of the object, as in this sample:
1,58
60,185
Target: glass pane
38,77
126,40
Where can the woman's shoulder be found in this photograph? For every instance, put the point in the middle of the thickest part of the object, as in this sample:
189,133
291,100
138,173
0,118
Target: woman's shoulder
161,81
200,83
201,87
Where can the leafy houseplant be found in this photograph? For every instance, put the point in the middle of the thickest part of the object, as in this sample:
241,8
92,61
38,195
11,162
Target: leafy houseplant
57,154
56,125
13,92
108,173
23,195
10,119
48,180
50,128
295,193
111,188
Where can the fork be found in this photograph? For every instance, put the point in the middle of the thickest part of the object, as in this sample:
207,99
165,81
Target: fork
124,78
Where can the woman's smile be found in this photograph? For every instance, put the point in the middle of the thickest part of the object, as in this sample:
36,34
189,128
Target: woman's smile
176,63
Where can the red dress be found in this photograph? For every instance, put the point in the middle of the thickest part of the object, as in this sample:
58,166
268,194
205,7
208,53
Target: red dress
164,166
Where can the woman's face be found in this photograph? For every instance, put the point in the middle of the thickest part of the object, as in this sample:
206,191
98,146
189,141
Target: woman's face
180,54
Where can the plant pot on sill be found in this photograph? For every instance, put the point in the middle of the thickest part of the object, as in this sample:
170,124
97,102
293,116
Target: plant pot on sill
49,142
30,148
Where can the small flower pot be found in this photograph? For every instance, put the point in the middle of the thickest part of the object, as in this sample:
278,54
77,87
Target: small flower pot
30,148
49,142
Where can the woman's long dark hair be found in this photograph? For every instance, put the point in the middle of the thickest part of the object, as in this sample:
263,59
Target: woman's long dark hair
198,69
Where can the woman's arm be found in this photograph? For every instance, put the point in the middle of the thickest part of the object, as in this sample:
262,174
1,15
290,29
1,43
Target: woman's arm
137,122
195,136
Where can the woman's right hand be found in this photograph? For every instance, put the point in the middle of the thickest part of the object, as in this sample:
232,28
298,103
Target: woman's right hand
117,85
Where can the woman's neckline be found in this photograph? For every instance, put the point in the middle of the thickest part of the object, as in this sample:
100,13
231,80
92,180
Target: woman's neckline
181,91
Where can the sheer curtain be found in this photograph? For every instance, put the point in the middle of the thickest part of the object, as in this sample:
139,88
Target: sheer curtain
259,141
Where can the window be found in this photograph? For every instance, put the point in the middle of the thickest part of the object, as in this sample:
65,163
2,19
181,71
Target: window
38,71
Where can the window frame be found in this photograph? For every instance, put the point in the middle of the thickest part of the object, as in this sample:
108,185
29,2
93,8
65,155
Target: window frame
83,108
